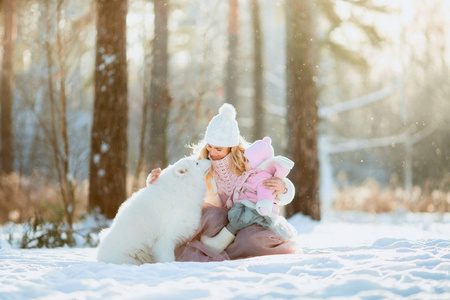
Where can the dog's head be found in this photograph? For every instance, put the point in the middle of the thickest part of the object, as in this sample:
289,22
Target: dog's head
189,170
190,167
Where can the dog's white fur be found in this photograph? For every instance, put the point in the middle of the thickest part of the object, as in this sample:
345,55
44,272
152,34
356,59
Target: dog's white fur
156,219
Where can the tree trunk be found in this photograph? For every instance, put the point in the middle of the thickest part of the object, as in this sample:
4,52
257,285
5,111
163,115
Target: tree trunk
231,68
160,98
53,134
258,118
144,123
67,190
108,168
7,82
302,114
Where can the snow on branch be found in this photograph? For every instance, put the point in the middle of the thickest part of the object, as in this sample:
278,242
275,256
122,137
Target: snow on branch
420,135
275,80
326,112
275,109
351,145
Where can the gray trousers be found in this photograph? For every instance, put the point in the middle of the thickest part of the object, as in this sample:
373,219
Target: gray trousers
241,216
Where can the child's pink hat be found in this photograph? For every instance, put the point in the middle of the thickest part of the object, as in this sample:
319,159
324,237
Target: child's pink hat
259,151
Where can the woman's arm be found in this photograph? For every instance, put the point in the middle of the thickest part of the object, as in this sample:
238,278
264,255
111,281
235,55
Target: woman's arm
288,194
211,195
283,188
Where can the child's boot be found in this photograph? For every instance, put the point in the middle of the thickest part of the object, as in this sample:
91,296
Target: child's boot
219,242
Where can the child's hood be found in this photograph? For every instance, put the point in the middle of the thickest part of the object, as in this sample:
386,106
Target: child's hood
279,166
259,151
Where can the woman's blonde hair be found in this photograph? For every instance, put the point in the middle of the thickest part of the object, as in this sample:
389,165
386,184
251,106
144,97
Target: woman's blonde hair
237,165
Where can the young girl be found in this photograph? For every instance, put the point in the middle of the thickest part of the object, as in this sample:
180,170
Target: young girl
225,147
251,203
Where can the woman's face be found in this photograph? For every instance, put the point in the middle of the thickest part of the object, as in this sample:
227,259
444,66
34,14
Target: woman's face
217,153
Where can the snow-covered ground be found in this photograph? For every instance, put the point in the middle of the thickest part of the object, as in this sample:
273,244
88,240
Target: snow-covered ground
347,256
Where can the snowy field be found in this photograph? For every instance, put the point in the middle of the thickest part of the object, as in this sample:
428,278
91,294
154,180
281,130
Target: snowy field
347,256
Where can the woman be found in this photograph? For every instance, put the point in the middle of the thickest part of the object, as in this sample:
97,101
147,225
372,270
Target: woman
225,147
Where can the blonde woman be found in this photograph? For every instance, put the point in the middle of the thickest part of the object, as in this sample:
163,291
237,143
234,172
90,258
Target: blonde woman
224,146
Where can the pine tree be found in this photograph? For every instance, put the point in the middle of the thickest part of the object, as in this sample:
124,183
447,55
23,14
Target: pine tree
231,78
109,145
258,112
302,118
7,82
160,98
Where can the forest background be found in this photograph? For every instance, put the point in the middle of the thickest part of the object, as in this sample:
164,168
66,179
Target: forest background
97,93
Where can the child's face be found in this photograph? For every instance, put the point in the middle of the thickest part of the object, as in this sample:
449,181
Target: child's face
248,166
217,153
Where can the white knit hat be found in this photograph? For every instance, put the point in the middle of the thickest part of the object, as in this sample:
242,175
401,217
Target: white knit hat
223,130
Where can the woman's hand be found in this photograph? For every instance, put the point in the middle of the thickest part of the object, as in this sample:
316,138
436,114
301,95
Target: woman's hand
154,174
276,184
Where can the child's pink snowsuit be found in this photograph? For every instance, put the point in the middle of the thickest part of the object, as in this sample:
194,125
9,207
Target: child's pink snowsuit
249,189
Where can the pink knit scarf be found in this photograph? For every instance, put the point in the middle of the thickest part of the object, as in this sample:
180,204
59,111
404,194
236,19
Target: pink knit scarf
224,177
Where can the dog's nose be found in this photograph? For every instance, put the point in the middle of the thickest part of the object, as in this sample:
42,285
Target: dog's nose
207,158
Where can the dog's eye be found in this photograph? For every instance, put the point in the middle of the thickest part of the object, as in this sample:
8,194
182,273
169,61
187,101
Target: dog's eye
197,164
181,171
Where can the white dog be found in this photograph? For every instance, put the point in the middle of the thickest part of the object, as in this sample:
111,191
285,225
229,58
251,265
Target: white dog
156,219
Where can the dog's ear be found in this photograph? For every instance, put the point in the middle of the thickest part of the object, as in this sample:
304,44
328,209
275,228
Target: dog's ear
181,172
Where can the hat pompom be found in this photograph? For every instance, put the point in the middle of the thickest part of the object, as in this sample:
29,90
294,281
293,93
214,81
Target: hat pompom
228,111
223,129
268,140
